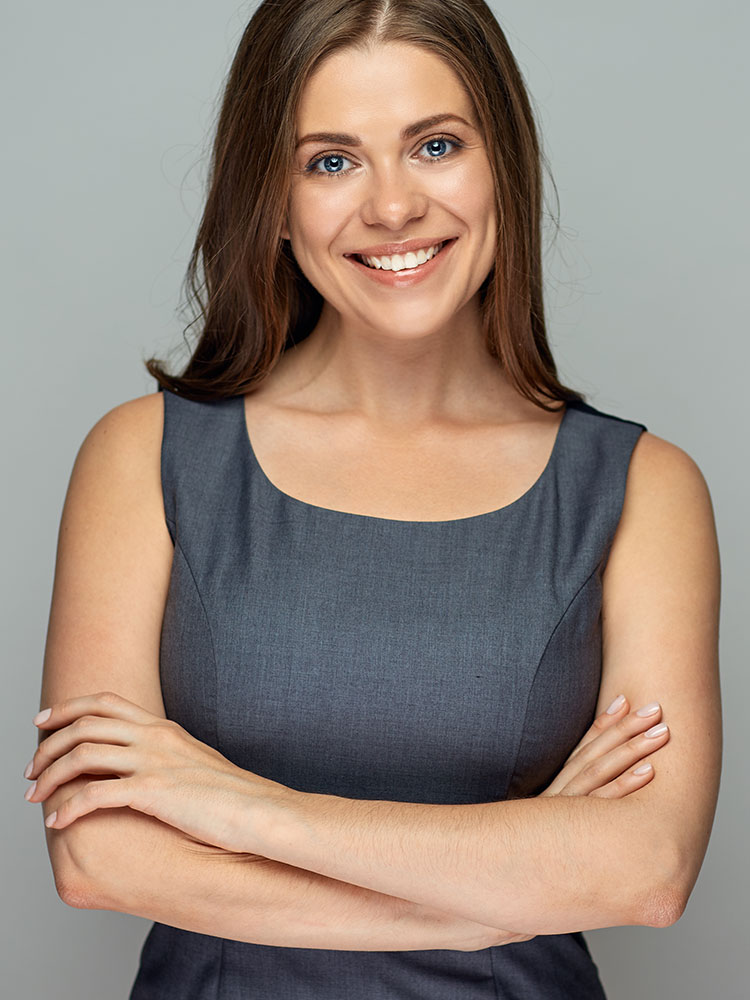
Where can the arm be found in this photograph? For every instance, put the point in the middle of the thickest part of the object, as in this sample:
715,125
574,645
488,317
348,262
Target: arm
603,764
118,526
111,579
549,866
154,871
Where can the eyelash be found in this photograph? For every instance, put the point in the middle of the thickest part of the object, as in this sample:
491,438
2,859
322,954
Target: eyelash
310,168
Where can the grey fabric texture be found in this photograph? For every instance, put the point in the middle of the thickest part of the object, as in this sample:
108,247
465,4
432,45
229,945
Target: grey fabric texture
418,661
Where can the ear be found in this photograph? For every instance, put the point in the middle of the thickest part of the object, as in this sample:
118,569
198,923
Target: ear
285,232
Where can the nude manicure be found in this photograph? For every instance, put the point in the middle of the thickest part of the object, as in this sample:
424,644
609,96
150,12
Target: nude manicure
616,704
653,706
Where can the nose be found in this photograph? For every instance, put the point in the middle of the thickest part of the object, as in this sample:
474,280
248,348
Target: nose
393,198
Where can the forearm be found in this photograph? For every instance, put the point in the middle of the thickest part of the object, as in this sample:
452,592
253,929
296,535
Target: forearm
540,865
133,863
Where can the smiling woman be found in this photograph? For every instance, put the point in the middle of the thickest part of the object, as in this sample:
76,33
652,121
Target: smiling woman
342,616
405,105
401,171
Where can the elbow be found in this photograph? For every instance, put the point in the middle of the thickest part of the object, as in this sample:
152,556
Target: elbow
74,892
662,902
73,853
662,907
71,885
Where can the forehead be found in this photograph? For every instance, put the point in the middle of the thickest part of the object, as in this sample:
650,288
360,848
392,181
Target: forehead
378,89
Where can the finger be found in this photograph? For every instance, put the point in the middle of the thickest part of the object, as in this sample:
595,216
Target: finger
86,758
601,770
89,729
624,728
604,721
107,794
616,735
626,783
105,703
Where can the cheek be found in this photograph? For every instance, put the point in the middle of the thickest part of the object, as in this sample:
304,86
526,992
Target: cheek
317,211
314,224
470,193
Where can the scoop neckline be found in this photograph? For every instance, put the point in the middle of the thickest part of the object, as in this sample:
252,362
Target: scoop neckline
330,512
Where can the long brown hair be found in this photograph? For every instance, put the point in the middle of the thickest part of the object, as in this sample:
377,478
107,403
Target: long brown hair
254,301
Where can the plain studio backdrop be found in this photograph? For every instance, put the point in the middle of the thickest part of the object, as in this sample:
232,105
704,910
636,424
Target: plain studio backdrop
106,113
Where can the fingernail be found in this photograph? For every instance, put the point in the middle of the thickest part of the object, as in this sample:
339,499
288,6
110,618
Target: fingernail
657,730
643,769
51,818
29,768
29,791
42,716
653,706
616,704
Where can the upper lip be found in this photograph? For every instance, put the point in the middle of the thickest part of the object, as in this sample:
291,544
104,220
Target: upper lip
388,249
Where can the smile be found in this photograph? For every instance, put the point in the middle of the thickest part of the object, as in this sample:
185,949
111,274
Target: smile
400,262
402,271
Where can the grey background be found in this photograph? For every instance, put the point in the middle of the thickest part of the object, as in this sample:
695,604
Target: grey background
106,110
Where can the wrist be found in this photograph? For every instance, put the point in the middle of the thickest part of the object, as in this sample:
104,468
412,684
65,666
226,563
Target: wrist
270,817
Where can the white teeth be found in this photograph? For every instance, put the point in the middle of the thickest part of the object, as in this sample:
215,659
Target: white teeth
399,263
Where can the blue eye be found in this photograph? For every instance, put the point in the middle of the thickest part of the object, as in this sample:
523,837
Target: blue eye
436,142
336,159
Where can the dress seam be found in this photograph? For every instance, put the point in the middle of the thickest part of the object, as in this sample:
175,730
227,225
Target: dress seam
538,667
182,552
494,972
213,644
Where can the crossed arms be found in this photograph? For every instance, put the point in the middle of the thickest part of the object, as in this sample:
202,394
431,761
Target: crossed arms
374,876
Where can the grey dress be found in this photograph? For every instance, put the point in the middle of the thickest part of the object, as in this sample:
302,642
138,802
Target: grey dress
417,661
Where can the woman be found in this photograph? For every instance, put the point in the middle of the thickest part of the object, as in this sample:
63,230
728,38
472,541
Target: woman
341,618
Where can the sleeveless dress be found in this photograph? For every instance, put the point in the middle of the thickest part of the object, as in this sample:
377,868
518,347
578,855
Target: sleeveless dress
418,661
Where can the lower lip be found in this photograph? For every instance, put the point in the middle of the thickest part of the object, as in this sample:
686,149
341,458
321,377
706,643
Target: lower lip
408,276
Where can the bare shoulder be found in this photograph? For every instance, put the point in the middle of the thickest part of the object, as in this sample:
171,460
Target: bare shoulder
119,463
114,506
667,529
655,457
664,482
113,514
129,435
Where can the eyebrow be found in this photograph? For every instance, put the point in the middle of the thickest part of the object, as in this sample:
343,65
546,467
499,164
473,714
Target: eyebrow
408,132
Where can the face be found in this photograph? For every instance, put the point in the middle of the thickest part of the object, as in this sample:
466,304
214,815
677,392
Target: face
386,179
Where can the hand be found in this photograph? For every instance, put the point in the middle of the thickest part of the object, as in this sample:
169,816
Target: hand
159,768
603,763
